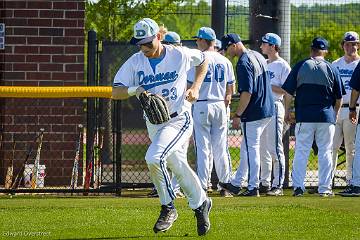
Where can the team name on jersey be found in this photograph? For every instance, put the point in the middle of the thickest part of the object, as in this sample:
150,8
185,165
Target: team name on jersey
271,74
155,80
345,72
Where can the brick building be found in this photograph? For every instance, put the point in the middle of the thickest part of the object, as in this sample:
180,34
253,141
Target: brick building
44,46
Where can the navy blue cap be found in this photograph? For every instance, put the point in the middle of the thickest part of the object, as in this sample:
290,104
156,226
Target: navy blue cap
229,39
320,43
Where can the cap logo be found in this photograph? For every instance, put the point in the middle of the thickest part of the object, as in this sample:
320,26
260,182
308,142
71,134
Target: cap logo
140,33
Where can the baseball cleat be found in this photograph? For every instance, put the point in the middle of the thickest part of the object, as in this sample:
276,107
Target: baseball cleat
325,195
225,193
166,219
202,217
153,193
275,192
250,193
231,188
351,191
264,189
298,192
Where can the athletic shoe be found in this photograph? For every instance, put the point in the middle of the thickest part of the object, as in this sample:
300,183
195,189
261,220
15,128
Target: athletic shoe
168,216
298,192
231,188
275,192
347,190
225,193
330,194
264,189
351,191
202,217
153,193
250,193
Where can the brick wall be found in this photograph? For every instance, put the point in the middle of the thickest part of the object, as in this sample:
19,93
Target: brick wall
44,46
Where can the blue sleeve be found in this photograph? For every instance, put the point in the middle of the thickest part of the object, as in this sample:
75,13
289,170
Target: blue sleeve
355,79
339,88
245,74
290,83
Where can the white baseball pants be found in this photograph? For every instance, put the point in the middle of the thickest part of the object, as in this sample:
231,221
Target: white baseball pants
324,135
169,147
344,129
272,150
355,178
250,153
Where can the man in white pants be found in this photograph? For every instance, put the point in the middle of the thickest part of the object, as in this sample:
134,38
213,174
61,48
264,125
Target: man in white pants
161,69
344,129
209,112
272,147
319,90
255,109
353,189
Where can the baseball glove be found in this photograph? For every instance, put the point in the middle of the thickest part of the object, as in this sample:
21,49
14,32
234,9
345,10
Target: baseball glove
155,107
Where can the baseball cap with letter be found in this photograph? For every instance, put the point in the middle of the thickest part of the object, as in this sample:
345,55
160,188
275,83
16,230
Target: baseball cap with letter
272,39
229,39
145,31
206,33
172,38
320,43
351,37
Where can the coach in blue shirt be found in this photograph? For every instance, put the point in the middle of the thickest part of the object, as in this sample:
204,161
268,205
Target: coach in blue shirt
255,109
319,91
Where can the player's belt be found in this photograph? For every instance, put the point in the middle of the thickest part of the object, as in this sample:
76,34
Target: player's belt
174,114
202,100
347,105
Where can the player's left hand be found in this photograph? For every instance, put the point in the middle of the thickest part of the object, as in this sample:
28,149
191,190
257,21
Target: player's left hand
192,94
352,117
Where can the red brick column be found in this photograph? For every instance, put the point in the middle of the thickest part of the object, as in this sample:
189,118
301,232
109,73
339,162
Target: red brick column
44,46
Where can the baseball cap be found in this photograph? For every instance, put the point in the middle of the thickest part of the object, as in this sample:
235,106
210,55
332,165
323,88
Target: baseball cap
171,37
271,38
218,43
320,43
229,39
351,37
145,31
206,33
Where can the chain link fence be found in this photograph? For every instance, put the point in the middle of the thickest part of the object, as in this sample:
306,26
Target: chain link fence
125,139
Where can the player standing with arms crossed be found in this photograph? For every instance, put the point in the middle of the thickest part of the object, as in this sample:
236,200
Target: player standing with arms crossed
344,129
255,109
161,69
209,112
319,90
353,189
272,148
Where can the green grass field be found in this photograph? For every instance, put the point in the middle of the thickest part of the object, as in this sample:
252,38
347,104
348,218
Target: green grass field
132,217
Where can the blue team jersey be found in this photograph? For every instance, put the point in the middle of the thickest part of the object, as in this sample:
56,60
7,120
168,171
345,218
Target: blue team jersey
355,79
253,78
317,85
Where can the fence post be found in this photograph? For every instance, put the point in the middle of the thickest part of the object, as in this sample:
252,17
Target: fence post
90,103
218,17
117,143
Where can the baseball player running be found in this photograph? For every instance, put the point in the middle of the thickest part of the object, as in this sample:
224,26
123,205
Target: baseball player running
353,189
255,109
209,112
319,90
161,69
272,146
344,129
174,39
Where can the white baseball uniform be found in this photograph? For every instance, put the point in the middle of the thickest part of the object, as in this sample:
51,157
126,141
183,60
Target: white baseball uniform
211,121
272,147
344,129
167,77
